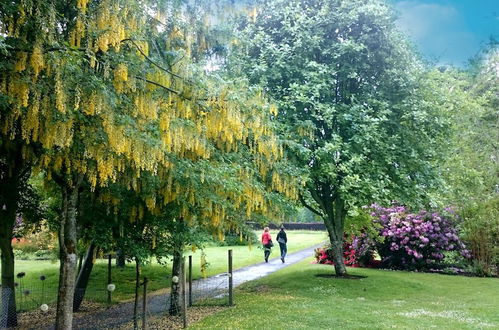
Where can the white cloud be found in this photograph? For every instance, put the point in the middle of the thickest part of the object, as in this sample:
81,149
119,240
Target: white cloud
437,29
420,19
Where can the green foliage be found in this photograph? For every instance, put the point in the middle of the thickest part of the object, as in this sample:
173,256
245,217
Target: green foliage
41,244
304,215
471,166
359,221
480,230
245,236
356,110
350,95
24,254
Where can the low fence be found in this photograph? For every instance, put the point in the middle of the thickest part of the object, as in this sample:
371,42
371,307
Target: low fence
212,291
290,225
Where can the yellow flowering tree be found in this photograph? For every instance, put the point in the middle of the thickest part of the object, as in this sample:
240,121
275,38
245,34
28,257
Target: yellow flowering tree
98,92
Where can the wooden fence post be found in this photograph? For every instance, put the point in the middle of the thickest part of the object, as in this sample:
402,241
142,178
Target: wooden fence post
231,283
183,293
109,280
144,304
190,281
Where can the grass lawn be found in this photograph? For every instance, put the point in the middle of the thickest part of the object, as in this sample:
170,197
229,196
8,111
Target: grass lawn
158,275
295,298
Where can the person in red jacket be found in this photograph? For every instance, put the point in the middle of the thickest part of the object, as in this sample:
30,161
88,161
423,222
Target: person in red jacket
267,243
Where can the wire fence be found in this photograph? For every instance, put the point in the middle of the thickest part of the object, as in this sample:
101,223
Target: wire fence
210,291
35,295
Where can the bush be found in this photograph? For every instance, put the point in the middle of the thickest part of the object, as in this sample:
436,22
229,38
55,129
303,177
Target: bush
356,253
37,255
416,241
45,254
480,230
27,246
324,255
41,238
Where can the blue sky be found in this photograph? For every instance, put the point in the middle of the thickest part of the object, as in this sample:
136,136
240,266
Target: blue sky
449,31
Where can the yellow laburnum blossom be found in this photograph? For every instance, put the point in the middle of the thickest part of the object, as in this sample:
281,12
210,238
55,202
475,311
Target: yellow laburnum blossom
82,5
21,62
120,76
60,95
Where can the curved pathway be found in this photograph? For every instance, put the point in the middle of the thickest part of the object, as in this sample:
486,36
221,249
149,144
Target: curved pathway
122,313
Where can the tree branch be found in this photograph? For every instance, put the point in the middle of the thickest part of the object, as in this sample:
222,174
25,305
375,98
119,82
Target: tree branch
159,85
317,198
302,200
152,62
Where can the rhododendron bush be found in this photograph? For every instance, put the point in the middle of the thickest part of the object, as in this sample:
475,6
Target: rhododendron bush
403,240
358,251
415,240
324,255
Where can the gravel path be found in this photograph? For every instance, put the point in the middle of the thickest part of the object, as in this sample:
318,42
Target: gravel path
120,314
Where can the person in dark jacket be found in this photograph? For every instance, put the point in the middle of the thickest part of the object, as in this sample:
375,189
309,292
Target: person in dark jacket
283,240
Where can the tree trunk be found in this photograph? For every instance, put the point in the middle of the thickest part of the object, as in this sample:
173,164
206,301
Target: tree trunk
120,258
8,316
83,277
334,221
80,262
175,303
9,198
68,258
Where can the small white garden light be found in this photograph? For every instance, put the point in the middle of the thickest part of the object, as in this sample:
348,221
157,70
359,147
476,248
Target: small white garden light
111,287
44,308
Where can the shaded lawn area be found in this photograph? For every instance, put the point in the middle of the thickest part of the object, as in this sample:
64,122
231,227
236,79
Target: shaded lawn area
158,275
296,298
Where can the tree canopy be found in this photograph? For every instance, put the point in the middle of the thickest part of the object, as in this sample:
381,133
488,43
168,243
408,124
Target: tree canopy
352,101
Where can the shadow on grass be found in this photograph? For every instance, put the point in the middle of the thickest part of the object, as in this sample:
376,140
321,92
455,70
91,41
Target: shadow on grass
346,277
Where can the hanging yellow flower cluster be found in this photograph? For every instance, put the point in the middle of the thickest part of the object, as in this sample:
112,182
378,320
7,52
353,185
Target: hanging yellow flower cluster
135,117
110,26
120,77
37,61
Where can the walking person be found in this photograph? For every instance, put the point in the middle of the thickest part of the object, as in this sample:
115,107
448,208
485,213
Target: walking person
267,243
282,238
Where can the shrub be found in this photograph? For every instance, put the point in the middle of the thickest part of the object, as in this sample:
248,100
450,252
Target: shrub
25,245
41,238
480,230
324,255
416,241
356,253
364,247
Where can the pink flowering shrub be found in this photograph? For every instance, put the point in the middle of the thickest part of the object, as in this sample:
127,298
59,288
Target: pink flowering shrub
415,241
356,253
324,255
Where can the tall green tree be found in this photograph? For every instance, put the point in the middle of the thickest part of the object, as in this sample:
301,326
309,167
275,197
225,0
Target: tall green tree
472,166
351,100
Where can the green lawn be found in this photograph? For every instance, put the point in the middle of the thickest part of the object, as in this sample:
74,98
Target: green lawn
295,298
158,275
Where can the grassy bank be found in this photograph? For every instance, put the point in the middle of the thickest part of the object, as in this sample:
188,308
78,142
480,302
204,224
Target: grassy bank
298,297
